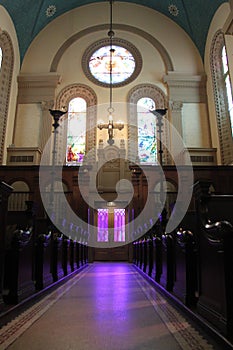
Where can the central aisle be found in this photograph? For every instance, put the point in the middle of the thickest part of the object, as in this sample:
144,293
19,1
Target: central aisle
107,306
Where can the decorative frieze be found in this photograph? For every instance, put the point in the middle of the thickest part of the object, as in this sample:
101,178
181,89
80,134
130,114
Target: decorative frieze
35,88
186,88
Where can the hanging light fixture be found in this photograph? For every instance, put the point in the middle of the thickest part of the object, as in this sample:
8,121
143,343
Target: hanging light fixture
110,125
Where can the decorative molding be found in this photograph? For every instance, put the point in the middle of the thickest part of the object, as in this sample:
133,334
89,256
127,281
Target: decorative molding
176,106
23,155
6,73
203,156
219,91
186,88
35,88
124,27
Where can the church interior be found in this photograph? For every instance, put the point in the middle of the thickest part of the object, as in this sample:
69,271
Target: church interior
116,180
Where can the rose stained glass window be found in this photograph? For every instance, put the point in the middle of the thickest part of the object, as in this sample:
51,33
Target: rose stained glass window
123,64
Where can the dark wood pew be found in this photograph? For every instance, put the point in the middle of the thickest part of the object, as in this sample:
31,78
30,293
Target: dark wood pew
186,268
215,239
168,262
43,275
56,256
5,191
18,281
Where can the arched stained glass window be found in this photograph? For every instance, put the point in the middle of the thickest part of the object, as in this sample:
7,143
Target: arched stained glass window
76,133
227,81
0,58
147,143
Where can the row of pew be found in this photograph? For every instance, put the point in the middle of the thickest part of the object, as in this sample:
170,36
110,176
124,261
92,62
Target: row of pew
194,264
32,262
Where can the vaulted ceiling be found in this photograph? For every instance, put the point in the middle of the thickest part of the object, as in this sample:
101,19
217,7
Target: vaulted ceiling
30,17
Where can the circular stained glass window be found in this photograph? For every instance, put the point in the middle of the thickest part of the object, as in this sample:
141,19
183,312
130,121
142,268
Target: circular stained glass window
126,62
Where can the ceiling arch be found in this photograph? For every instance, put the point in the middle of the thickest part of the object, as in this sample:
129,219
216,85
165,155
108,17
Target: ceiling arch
163,52
30,17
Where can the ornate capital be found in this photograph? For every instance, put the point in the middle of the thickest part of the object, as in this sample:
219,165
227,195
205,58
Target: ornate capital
176,106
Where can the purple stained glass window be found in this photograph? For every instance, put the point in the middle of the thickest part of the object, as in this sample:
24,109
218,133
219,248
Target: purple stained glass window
76,133
119,225
147,143
102,223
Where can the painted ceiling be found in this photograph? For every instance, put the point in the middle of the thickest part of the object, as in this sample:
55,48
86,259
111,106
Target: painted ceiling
30,17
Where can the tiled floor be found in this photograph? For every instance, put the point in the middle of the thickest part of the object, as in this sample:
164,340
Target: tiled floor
107,306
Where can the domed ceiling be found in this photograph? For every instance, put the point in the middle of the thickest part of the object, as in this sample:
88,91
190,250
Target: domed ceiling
30,17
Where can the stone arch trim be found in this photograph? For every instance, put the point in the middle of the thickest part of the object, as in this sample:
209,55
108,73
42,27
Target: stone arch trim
6,73
63,99
219,91
138,92
153,41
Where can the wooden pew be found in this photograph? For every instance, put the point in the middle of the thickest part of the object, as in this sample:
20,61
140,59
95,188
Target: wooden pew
5,191
18,281
215,240
186,268
43,275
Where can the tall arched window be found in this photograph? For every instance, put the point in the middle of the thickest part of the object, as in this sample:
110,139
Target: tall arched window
147,141
223,96
81,101
142,129
227,81
76,131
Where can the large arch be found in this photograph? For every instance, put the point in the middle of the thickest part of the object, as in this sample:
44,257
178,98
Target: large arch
154,42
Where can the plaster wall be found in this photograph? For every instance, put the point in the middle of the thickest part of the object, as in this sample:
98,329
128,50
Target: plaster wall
195,125
28,125
181,50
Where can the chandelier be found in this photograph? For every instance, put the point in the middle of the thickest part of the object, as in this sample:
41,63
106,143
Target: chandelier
110,125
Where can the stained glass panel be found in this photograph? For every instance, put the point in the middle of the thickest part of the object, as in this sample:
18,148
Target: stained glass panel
123,64
147,143
119,225
76,133
228,86
102,223
0,57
